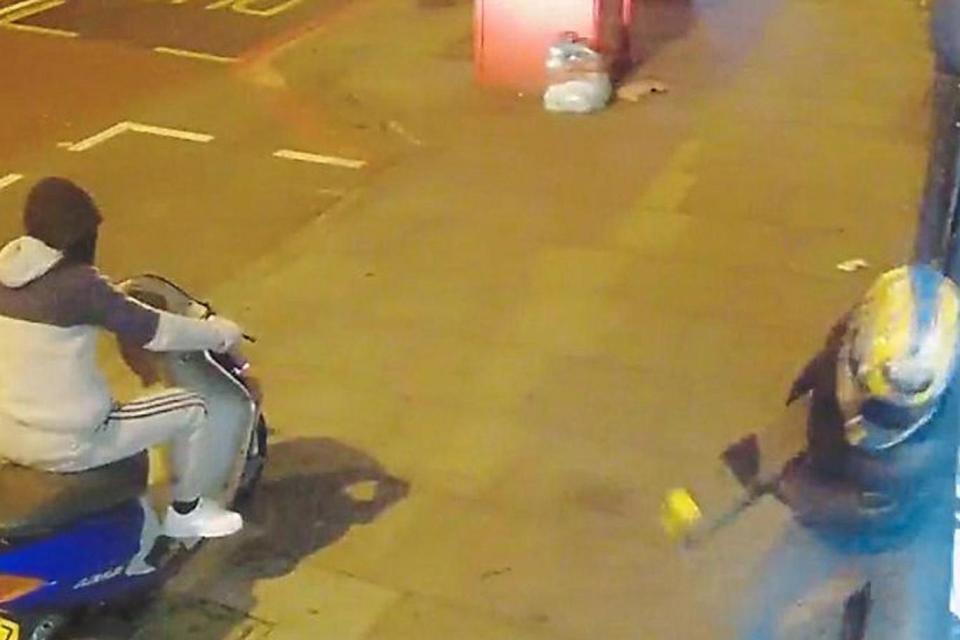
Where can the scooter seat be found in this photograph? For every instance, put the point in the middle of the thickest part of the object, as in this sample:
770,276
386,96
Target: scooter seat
33,502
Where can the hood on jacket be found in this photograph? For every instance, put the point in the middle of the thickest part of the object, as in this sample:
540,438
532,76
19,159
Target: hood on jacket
24,260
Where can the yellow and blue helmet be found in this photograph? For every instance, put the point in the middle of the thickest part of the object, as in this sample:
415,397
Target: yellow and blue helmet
899,354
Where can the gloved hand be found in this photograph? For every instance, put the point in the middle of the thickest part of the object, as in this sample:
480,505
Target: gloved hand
818,502
229,331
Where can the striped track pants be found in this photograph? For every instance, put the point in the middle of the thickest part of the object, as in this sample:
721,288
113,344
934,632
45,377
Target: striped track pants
175,416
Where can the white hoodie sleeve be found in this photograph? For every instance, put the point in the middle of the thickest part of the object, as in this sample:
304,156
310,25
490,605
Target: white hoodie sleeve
179,333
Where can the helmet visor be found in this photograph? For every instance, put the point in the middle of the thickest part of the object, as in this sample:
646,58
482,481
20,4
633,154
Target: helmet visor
881,425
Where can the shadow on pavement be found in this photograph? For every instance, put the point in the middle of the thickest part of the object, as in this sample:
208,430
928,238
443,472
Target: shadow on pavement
313,492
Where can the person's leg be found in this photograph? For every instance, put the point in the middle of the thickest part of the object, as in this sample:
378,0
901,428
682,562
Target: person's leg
176,416
790,577
143,423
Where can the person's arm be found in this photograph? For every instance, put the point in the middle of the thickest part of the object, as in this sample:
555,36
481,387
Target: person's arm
96,302
179,333
808,378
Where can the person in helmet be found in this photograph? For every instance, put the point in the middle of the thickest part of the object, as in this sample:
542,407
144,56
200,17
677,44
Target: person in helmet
859,407
874,451
873,387
56,410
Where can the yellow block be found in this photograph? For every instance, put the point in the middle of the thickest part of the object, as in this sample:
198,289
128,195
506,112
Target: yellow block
679,513
9,630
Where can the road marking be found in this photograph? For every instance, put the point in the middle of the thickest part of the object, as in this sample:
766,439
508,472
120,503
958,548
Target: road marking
17,6
43,31
193,136
303,156
179,134
137,127
657,219
249,7
401,131
25,9
10,179
195,55
269,50
103,136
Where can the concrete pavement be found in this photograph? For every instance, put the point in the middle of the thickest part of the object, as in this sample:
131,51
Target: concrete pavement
541,323
524,328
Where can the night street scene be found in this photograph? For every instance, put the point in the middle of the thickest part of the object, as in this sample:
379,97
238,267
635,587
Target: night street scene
479,320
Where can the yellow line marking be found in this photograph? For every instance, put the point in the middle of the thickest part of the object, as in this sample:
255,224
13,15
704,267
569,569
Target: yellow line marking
195,55
655,220
303,156
10,179
672,185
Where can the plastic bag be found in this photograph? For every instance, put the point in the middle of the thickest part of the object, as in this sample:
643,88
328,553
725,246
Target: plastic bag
577,79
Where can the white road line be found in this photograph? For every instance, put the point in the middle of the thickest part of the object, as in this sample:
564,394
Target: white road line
138,127
242,6
195,55
179,134
27,8
303,156
17,6
103,136
43,31
9,179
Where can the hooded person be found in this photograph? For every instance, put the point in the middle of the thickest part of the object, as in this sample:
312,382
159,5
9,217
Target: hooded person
852,449
56,411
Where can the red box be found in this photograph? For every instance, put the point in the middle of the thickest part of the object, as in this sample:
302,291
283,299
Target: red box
511,37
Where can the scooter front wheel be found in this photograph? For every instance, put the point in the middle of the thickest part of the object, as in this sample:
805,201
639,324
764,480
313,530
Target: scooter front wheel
46,627
104,626
256,461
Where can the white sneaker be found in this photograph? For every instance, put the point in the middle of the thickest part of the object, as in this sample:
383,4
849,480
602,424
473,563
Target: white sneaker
206,520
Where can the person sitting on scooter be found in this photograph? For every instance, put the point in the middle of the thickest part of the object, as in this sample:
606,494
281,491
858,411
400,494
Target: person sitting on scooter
56,411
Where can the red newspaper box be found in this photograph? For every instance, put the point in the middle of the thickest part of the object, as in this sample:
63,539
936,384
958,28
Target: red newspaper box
511,37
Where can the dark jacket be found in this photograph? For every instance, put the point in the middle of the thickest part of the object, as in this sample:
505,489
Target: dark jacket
827,448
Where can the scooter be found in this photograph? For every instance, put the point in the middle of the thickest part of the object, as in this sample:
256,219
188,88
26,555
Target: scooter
75,544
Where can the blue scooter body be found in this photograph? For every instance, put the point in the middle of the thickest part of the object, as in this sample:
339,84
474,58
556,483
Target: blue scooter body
83,564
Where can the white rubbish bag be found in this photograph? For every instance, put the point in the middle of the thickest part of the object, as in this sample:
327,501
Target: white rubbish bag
577,79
